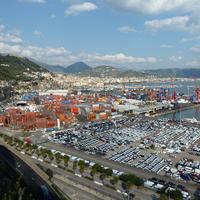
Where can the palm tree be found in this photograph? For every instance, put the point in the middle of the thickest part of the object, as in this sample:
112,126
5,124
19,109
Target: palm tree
92,172
115,180
66,160
50,155
74,165
102,176
82,168
58,157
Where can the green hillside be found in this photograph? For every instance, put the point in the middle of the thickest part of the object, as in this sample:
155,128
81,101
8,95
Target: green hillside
109,71
17,68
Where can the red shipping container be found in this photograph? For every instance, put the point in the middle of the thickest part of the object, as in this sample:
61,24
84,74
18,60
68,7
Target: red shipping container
75,110
41,123
51,123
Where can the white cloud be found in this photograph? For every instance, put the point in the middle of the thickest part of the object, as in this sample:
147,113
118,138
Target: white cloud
52,16
193,63
76,9
174,23
62,56
175,58
48,55
154,6
195,49
126,29
2,27
120,58
10,38
183,40
33,1
37,33
157,7
167,46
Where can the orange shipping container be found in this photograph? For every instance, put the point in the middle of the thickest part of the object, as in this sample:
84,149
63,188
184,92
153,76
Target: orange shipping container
91,116
62,117
103,115
95,107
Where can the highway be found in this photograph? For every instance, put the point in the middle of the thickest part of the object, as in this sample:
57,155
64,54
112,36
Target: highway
89,187
75,193
30,177
82,181
116,165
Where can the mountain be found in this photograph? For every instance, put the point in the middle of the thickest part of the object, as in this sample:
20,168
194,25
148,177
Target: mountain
17,68
53,68
83,69
109,71
101,71
77,67
176,72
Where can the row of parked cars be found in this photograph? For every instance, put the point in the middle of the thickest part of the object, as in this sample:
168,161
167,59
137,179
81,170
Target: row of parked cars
163,186
126,155
152,163
105,137
195,150
175,138
187,169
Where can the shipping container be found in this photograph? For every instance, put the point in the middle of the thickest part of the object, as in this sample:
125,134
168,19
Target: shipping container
75,110
91,116
95,107
41,123
103,116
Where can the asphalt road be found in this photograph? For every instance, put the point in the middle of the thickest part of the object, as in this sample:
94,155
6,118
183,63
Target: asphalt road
191,187
75,193
30,177
90,184
101,189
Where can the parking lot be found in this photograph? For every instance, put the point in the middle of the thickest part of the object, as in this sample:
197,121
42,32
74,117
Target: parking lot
149,144
186,169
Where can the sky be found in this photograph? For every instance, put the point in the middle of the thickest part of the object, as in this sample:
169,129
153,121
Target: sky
134,34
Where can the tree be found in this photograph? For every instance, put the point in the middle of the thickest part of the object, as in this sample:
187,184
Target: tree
58,157
108,172
92,172
43,153
124,186
102,176
176,195
50,155
81,164
74,165
38,152
81,169
49,173
66,160
152,146
163,197
131,179
34,146
114,181
98,168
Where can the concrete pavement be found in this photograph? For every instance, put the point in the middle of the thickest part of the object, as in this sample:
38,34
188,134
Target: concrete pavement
191,187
